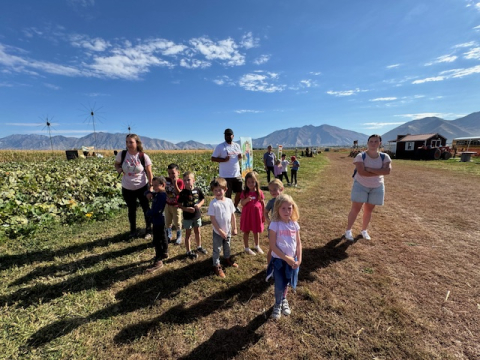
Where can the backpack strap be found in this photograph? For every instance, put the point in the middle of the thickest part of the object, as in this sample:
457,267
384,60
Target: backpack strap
141,156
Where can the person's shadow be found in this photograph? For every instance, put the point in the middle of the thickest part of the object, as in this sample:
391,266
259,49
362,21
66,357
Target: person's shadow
168,284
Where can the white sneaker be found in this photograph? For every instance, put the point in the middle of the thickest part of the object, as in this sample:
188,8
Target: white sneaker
276,314
365,235
249,251
259,250
285,308
349,235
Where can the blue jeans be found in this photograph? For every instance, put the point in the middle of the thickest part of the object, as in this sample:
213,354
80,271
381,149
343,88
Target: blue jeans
218,244
283,274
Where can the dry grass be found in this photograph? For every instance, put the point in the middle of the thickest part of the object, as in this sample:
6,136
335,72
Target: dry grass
81,292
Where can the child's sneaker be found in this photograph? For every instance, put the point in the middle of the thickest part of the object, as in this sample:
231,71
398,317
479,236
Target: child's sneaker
202,250
179,237
349,235
276,314
249,251
192,255
218,271
259,250
169,234
285,308
365,235
157,265
231,263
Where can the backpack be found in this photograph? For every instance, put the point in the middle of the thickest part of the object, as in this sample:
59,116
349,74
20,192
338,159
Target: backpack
141,156
382,156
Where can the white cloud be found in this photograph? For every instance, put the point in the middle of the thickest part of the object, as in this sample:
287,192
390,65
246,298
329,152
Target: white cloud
424,115
4,84
442,59
308,83
459,73
18,64
51,86
25,124
259,82
477,28
262,59
384,99
473,54
430,79
248,41
315,73
393,66
194,63
379,125
464,45
84,41
345,92
224,51
224,80
248,111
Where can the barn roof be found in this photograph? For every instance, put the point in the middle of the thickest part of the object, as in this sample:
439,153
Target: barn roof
420,137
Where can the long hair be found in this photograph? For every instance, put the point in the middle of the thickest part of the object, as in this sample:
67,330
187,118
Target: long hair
280,199
138,141
246,190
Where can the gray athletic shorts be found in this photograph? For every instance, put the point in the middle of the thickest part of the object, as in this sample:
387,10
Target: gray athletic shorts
362,194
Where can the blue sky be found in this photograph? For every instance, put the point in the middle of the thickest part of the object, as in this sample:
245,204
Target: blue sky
187,69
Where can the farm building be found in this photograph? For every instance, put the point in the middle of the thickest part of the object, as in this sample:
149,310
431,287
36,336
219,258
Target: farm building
422,146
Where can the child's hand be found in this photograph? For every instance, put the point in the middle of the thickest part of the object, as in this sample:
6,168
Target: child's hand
149,196
290,260
295,265
234,232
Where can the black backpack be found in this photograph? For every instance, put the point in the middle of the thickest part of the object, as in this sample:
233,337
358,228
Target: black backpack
382,155
141,156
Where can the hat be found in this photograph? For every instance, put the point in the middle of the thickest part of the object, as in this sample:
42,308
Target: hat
293,158
228,132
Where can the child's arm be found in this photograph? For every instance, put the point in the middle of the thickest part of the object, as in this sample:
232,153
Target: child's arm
234,224
266,215
272,239
215,225
299,251
244,200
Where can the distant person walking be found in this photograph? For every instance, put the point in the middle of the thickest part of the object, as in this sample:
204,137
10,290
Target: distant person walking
295,164
269,162
136,167
368,187
228,154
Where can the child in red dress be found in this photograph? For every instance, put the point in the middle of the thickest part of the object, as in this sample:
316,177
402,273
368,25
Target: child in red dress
252,218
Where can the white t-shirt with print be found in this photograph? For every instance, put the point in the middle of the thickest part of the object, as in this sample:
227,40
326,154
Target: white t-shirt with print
223,211
231,168
286,237
134,176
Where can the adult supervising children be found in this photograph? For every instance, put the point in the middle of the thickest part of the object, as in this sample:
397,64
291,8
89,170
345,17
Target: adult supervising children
269,162
136,167
368,187
228,154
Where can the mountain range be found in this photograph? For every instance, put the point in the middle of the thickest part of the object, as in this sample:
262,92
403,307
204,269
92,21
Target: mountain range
305,136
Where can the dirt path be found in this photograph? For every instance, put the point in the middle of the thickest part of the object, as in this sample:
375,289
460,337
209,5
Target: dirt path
423,253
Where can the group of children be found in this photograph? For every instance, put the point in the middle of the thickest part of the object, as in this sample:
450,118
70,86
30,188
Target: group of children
179,198
280,170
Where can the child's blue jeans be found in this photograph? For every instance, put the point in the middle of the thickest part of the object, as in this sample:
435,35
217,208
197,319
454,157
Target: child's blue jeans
282,274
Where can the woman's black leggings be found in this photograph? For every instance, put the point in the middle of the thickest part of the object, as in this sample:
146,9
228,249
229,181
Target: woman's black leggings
130,197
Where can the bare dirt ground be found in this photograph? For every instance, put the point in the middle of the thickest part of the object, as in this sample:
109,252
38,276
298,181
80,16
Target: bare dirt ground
422,288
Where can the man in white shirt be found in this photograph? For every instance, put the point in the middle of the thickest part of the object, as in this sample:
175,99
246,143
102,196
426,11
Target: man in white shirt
228,154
